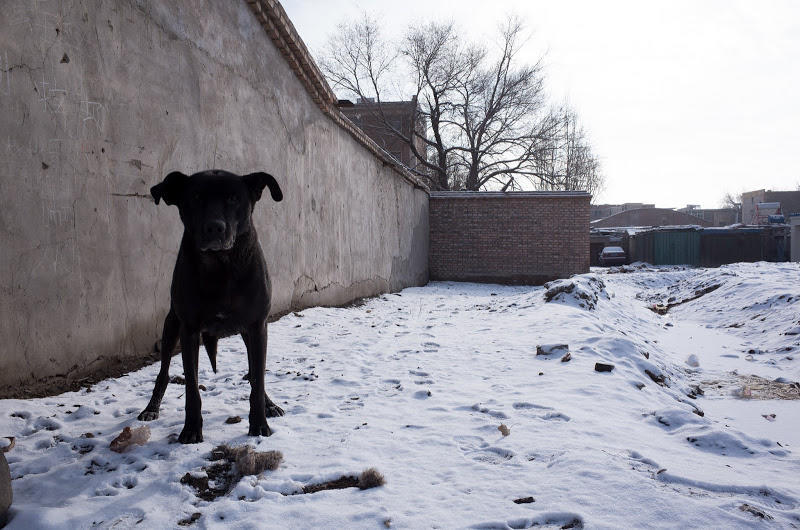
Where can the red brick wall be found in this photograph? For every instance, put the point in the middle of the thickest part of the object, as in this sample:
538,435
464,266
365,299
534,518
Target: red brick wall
520,238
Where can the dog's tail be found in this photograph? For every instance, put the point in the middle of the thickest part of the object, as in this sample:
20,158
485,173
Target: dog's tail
210,342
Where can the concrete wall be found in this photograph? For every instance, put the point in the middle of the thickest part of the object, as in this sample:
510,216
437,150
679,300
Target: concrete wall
516,238
98,101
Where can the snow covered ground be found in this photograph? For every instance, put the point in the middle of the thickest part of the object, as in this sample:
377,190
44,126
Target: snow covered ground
416,384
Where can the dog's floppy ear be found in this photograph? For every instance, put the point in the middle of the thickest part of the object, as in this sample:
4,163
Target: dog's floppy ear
170,188
256,183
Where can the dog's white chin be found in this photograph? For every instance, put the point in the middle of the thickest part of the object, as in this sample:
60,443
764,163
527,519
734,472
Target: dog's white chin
215,246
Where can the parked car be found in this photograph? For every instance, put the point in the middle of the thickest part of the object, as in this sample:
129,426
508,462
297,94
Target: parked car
612,256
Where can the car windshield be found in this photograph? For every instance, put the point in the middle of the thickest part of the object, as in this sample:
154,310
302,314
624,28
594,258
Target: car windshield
613,250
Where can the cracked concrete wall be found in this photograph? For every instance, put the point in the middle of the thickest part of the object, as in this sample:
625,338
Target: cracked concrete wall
98,101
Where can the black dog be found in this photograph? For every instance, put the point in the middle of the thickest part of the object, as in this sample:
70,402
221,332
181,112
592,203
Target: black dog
220,287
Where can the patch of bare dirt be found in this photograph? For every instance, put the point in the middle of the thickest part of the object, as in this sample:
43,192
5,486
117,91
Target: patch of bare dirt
752,387
662,309
230,464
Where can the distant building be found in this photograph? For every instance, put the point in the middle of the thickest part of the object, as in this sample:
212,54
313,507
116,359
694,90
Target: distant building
789,204
715,216
651,217
601,211
400,115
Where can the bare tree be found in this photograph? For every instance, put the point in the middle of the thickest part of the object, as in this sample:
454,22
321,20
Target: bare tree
733,201
499,114
434,61
438,61
487,125
730,200
568,161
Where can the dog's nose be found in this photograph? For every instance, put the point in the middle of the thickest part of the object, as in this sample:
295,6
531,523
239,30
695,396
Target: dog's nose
215,228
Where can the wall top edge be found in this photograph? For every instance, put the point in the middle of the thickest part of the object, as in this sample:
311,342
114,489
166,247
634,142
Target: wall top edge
281,31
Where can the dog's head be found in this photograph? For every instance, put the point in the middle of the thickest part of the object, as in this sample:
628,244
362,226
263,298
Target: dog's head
215,206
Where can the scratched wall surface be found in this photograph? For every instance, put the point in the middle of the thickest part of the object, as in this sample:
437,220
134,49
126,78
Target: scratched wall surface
98,101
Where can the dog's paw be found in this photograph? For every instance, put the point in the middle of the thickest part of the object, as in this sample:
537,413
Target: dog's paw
147,415
190,436
273,410
259,430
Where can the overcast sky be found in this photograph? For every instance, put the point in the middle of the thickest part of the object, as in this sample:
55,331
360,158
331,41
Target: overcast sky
683,100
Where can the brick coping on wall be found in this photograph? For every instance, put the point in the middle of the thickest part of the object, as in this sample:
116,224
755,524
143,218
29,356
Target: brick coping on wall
281,31
501,194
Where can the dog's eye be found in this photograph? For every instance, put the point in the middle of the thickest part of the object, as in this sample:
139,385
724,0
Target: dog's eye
233,199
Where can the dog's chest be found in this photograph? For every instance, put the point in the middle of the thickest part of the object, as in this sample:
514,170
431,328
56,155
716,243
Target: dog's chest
222,323
223,309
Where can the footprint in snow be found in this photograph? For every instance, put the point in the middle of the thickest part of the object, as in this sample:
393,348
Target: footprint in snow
673,419
526,405
544,457
107,490
555,416
476,448
721,443
763,496
344,382
477,407
493,455
351,403
562,520
42,423
127,482
47,443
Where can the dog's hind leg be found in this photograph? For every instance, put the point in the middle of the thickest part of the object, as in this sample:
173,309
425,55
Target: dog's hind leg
272,410
169,338
210,342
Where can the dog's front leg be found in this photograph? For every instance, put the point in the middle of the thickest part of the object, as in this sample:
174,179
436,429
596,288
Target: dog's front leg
193,426
255,338
169,337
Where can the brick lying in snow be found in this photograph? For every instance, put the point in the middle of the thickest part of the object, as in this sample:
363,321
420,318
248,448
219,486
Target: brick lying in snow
130,437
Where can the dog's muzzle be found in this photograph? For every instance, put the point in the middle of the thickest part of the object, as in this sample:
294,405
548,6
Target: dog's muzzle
214,237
